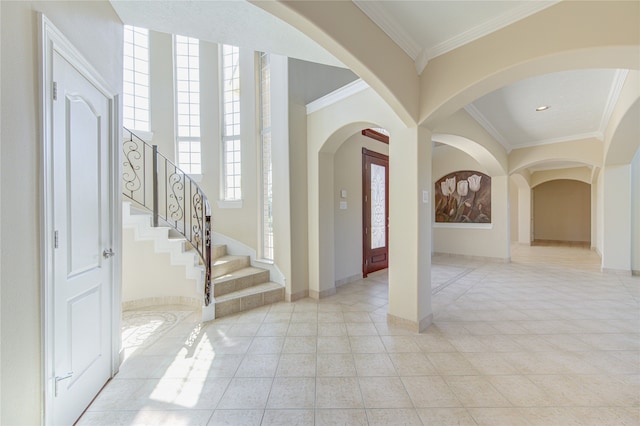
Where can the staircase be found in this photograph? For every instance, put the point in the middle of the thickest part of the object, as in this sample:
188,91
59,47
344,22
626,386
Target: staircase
238,286
166,241
162,193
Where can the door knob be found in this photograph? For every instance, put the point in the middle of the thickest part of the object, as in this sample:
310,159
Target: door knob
108,253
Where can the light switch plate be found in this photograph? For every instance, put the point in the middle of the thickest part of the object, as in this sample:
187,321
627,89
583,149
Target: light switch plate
425,197
343,205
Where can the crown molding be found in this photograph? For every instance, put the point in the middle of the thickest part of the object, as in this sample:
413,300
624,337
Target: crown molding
590,135
344,92
390,26
421,61
486,124
490,26
614,94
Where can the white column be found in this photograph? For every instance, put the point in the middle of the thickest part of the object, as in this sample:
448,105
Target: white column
524,215
281,185
321,257
635,214
616,238
410,228
161,94
594,212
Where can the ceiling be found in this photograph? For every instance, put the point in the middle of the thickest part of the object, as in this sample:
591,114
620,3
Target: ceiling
235,22
580,102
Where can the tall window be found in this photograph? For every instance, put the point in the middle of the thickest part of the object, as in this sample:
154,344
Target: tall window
231,151
187,60
136,78
265,135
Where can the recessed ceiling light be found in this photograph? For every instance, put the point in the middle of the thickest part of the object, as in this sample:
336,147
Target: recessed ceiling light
542,108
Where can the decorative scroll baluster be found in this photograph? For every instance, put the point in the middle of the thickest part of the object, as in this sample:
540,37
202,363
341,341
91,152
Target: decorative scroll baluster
186,208
154,184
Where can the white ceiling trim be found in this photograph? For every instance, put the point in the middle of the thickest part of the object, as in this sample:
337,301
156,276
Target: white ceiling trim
421,61
596,135
486,124
344,92
488,27
391,27
612,100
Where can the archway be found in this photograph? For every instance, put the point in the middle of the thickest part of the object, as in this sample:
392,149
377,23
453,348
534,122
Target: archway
327,129
562,212
453,154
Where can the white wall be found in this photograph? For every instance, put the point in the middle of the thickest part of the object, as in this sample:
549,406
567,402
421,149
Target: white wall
280,164
149,274
460,239
96,31
524,218
616,241
513,211
347,172
161,92
238,222
299,285
599,184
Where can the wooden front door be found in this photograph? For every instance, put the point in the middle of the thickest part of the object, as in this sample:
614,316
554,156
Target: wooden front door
375,211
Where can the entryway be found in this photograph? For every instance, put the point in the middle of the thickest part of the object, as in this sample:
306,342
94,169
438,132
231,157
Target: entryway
375,211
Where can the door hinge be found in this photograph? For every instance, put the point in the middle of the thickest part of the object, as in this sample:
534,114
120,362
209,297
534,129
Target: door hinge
55,239
55,91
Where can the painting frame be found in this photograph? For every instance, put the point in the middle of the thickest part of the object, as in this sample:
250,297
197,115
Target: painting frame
463,196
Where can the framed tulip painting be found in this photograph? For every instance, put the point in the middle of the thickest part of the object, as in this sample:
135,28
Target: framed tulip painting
463,197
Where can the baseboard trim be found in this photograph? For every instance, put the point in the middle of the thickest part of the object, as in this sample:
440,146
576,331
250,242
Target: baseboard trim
620,272
130,305
347,280
471,257
317,295
292,297
416,327
635,273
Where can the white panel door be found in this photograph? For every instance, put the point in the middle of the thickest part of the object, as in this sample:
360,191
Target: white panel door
82,271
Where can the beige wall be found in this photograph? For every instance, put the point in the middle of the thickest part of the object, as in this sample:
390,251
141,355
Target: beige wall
347,175
562,211
96,31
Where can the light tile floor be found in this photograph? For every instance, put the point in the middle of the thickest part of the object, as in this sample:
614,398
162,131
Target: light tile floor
529,342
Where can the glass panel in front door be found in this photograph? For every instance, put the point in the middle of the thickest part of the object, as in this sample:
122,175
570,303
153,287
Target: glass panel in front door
378,208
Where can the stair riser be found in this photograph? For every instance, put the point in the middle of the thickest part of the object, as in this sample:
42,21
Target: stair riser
229,267
240,283
218,251
246,303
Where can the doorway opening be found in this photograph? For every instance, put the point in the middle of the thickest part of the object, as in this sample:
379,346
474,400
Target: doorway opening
375,211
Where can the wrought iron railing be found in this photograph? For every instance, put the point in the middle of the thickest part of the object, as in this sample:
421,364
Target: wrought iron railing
175,199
